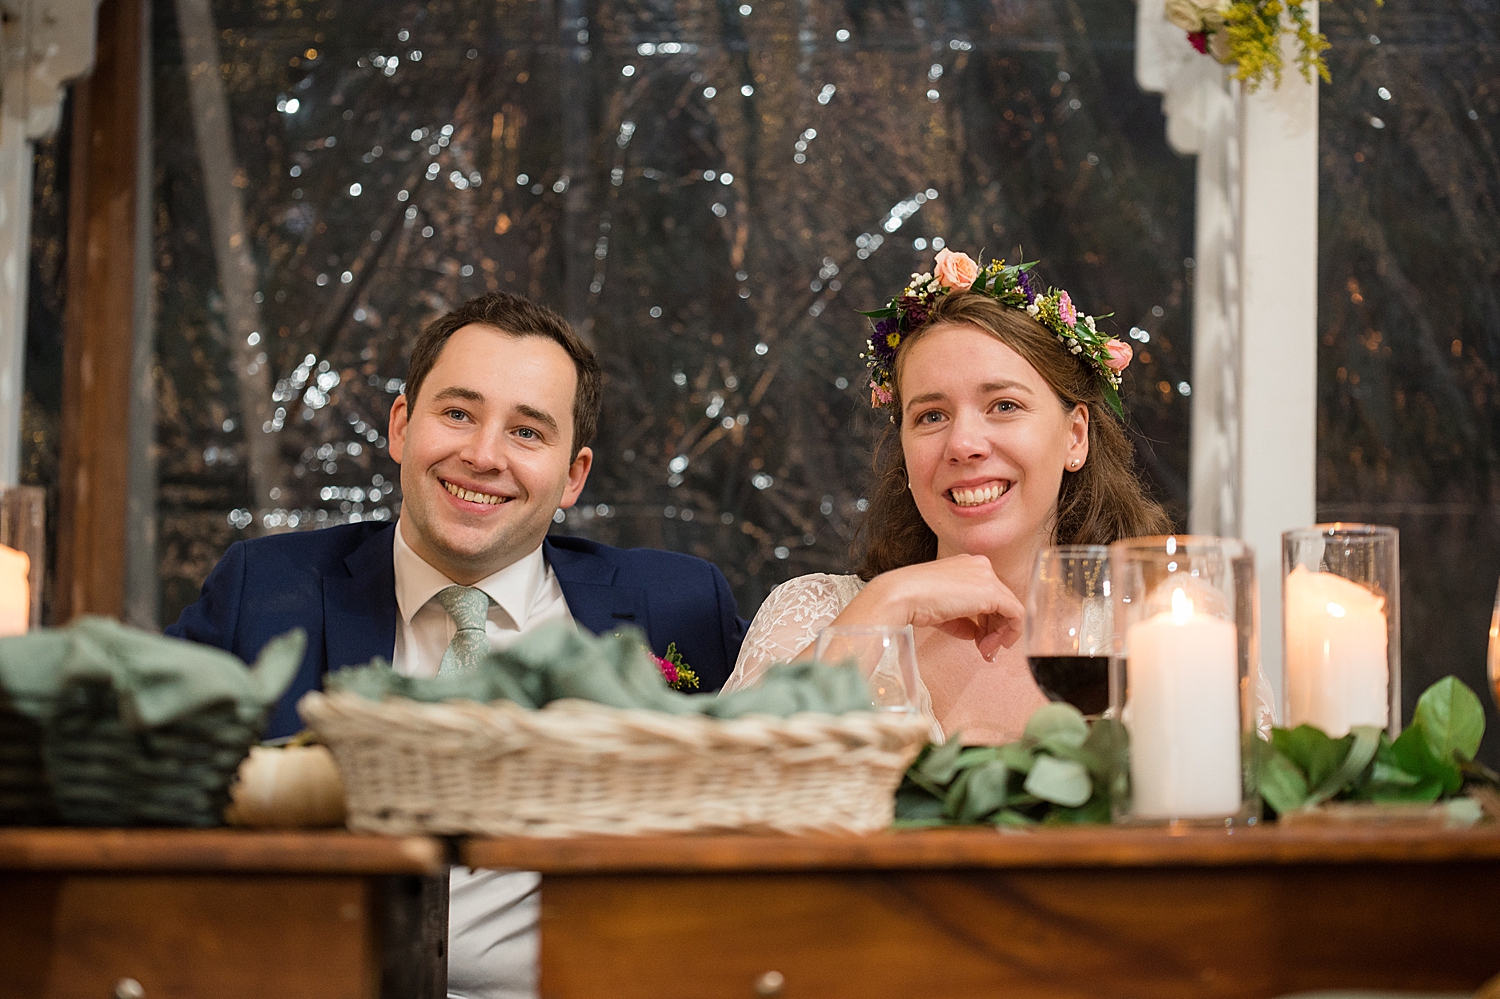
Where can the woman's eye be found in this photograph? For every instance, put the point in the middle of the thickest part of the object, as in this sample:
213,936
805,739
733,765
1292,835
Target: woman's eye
1006,406
931,416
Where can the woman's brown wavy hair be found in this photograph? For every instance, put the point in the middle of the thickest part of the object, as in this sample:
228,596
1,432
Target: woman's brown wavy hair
1100,503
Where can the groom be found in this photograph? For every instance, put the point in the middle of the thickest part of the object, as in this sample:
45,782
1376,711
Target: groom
501,400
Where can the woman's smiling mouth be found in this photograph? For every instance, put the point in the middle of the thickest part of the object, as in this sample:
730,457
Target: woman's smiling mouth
473,496
978,496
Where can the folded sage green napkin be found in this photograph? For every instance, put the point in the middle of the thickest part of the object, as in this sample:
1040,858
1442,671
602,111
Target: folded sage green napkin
156,679
558,661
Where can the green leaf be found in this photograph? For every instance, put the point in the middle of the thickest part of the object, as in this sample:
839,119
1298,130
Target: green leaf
1451,717
889,310
1095,810
954,799
1281,782
1413,753
1062,782
940,763
1112,398
986,791
1362,742
916,804
975,755
1017,757
1058,723
1014,819
1311,749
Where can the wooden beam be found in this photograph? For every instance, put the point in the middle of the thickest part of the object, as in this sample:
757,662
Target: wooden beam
98,320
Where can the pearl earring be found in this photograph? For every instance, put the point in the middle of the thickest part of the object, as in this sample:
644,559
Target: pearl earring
1073,463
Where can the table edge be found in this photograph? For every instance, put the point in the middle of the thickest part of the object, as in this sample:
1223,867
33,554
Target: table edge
229,851
979,849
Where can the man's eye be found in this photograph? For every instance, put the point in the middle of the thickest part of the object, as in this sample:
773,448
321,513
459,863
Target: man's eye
456,414
529,434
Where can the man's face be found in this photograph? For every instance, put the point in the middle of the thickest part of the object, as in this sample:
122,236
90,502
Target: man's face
484,451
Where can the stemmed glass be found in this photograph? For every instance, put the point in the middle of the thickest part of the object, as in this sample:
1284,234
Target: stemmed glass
1070,626
886,655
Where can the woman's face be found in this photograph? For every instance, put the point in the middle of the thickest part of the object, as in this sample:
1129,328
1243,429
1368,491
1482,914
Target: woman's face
986,441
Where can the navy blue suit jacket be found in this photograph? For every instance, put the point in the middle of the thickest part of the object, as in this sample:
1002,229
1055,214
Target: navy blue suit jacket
339,583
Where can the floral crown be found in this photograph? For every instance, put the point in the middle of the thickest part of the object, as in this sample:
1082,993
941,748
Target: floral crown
1013,286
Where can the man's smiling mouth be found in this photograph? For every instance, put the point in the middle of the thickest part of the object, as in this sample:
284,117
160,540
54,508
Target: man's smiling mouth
980,496
474,497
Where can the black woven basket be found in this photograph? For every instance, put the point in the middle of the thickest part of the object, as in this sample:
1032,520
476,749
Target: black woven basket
87,767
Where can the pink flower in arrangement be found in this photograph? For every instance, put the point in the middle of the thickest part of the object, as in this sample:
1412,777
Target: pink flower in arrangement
955,270
878,395
1066,310
1199,40
668,670
1119,354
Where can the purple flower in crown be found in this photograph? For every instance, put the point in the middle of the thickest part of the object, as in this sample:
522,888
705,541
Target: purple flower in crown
1028,289
1066,310
884,340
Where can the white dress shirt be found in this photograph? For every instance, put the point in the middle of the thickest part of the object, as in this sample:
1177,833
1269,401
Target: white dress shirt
492,915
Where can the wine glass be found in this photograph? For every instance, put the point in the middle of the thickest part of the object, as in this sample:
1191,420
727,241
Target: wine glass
886,655
1070,626
1494,653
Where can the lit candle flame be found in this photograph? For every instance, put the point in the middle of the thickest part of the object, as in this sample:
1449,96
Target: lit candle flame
1182,607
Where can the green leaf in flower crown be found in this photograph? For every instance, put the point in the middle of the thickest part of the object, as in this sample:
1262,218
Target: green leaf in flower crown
1112,397
1311,749
1057,724
1362,741
986,791
1413,753
1451,717
888,311
940,763
1062,782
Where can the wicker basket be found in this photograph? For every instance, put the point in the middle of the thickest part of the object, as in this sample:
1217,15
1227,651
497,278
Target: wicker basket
576,767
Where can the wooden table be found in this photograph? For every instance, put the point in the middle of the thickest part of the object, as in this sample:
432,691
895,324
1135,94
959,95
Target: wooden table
221,914
1072,913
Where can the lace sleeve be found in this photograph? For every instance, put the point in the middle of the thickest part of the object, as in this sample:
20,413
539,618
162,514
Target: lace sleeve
789,621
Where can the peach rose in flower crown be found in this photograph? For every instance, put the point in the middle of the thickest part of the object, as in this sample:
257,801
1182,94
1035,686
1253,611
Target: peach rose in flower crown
955,271
1119,354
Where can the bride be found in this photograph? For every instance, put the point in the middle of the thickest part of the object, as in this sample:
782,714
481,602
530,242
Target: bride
1005,437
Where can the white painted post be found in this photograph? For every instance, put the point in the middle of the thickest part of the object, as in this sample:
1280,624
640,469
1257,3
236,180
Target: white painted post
1278,349
43,44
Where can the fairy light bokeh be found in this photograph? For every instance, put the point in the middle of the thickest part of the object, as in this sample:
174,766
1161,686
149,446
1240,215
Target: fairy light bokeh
708,191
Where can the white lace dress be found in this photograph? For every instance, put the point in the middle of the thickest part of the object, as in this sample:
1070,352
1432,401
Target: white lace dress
789,621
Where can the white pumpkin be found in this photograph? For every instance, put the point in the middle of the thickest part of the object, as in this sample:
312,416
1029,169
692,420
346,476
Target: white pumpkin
287,787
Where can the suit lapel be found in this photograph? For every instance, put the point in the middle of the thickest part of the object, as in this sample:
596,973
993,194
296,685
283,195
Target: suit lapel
359,610
588,585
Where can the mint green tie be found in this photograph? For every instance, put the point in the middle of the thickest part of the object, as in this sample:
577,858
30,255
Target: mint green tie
469,607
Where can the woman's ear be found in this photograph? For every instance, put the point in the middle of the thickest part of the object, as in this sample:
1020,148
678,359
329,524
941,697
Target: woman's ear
1078,437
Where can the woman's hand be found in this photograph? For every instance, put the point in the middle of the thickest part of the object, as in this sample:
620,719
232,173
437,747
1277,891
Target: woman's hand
960,595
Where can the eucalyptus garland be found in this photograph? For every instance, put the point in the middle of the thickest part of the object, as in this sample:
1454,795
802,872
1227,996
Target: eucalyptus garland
1062,768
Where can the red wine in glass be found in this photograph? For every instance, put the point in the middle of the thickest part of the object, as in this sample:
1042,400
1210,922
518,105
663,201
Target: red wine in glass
1082,681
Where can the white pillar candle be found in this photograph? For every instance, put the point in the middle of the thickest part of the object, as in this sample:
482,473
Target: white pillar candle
1337,673
1183,713
15,592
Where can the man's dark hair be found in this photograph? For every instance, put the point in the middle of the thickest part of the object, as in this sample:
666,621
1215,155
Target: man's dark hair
515,316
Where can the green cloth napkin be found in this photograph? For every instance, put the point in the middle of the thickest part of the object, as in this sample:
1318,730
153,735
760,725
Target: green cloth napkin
157,679
558,661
